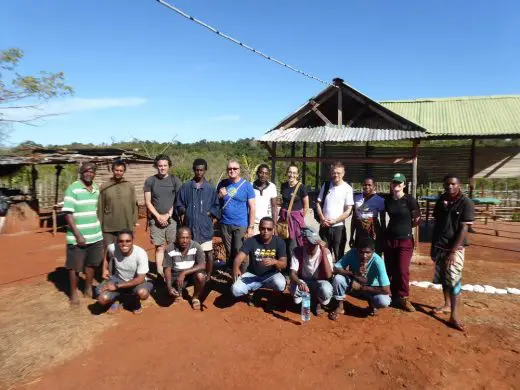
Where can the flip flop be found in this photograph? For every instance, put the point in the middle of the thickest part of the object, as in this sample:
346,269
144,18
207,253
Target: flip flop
74,303
114,307
138,310
195,303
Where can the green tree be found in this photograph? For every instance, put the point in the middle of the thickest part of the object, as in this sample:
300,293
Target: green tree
19,92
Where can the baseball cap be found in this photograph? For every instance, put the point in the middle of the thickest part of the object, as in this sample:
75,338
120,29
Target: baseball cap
311,235
399,177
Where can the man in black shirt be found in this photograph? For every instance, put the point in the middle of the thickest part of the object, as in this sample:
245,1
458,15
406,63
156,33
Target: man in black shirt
267,257
453,214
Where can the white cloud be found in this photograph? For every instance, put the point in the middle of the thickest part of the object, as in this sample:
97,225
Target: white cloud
225,118
67,106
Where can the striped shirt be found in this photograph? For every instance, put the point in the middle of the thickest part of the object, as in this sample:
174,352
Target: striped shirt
174,259
82,203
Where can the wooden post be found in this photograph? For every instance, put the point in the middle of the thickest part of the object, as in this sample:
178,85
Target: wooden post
59,168
415,153
471,172
304,168
293,152
339,83
273,163
318,155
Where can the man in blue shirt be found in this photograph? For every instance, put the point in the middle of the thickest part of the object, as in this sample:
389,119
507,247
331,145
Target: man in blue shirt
361,273
196,206
237,205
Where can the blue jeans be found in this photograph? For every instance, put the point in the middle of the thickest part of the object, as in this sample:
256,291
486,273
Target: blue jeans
249,282
342,285
322,289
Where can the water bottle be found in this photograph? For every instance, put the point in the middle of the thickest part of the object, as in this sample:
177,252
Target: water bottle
306,307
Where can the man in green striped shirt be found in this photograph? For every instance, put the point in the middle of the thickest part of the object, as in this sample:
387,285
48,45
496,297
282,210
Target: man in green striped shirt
84,237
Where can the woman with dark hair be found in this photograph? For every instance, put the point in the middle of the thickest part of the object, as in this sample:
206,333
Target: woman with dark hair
294,214
404,213
265,196
369,217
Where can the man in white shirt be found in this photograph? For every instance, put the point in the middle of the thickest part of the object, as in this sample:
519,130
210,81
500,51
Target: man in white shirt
128,279
311,270
335,202
265,196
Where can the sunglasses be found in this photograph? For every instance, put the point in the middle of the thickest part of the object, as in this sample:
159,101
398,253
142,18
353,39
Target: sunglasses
266,228
233,169
124,241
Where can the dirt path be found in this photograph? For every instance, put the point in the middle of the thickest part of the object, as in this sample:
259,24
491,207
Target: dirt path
232,346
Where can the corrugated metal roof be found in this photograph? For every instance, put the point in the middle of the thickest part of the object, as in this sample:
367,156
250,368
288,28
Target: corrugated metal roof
462,116
339,134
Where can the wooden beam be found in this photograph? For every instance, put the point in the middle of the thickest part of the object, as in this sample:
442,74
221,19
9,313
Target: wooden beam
269,149
304,168
308,109
374,108
357,116
380,160
471,173
319,113
273,162
340,106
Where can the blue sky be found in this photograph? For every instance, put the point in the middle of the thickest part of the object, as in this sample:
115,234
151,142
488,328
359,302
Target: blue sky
139,70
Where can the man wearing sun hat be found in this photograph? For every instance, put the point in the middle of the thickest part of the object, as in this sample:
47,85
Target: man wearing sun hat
311,270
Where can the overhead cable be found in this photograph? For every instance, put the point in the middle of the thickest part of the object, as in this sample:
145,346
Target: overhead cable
245,46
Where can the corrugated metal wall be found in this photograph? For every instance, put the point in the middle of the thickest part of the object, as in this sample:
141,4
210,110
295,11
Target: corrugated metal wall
433,163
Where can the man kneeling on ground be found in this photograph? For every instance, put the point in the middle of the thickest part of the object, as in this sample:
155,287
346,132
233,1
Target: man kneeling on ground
185,264
311,270
130,266
361,273
267,257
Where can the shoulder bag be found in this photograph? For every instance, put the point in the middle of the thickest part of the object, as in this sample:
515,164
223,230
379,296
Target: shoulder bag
282,227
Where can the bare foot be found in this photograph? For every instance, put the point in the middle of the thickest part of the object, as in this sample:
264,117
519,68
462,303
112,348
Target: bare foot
456,325
445,309
74,301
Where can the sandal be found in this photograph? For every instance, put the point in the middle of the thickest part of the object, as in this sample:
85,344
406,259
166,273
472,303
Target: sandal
114,307
138,310
456,325
195,303
333,315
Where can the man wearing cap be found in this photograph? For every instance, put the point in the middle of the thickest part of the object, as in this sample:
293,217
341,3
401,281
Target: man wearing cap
361,273
404,213
267,257
311,270
84,237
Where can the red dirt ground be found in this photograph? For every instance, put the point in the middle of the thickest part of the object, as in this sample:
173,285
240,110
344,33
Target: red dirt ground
232,345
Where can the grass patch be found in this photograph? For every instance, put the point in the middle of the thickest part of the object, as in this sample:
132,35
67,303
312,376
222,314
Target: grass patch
38,330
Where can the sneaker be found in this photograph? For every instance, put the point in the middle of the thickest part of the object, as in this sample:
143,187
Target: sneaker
405,304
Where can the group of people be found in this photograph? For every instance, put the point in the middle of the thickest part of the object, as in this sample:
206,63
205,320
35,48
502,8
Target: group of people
268,243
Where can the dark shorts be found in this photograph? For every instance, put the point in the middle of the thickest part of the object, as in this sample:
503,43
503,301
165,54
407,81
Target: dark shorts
188,280
110,238
90,255
113,295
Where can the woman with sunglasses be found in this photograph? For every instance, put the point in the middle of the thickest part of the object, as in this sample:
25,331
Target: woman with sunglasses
295,218
404,213
128,279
